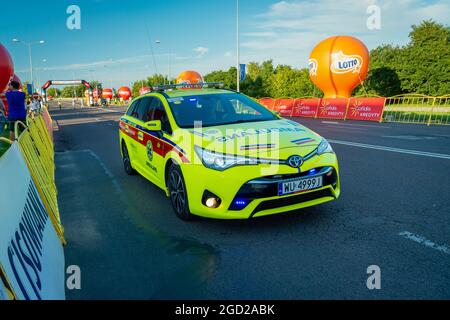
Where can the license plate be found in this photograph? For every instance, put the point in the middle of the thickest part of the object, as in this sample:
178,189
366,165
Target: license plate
300,185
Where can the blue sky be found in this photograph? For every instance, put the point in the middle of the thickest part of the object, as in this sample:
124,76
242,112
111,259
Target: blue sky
113,45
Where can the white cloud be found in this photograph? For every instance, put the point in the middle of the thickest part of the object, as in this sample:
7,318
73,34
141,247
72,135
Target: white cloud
228,54
201,51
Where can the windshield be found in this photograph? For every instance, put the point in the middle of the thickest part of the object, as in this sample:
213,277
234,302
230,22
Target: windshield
217,109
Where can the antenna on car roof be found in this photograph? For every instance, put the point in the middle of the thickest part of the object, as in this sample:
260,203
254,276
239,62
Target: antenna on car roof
202,85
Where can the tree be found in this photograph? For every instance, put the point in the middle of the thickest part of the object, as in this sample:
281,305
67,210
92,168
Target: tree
421,66
73,91
53,92
154,80
427,66
227,77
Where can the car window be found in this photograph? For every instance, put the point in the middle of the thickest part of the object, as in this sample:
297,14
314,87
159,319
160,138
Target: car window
132,109
144,109
159,113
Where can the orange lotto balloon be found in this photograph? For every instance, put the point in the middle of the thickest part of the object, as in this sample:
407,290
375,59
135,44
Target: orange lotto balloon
189,77
337,65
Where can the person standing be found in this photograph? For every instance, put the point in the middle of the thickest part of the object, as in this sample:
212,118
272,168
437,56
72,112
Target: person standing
17,110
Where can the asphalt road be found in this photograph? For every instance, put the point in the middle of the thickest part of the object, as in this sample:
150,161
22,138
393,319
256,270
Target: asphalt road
394,212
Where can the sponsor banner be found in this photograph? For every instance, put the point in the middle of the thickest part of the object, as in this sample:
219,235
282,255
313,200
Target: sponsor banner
284,106
31,253
332,108
269,103
370,109
306,107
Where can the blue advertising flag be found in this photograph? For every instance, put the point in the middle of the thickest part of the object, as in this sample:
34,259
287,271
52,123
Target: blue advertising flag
30,88
242,72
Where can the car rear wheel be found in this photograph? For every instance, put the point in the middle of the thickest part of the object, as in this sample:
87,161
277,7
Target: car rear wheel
127,161
178,193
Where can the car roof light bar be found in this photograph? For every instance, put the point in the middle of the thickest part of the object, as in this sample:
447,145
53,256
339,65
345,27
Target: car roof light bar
214,85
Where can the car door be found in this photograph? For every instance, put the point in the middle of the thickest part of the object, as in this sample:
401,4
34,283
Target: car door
131,133
159,146
145,139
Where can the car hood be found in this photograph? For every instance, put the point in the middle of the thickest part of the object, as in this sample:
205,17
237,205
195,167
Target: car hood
277,139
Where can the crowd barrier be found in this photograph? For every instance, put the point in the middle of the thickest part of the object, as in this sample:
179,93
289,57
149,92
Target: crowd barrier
405,108
31,233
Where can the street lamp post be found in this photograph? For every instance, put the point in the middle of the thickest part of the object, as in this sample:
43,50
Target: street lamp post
238,65
168,63
29,44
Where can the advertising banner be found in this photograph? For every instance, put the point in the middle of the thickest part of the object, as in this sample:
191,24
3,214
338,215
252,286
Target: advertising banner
284,106
306,107
31,253
370,109
242,72
269,103
332,108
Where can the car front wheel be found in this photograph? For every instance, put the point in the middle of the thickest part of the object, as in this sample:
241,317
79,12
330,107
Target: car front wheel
178,193
127,161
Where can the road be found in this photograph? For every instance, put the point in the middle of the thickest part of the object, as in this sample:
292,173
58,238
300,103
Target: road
394,212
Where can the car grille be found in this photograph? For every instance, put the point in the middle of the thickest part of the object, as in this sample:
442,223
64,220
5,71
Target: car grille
284,202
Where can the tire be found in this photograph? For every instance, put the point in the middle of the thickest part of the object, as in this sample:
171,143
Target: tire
178,193
127,161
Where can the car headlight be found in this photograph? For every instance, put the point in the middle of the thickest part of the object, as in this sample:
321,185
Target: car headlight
220,161
324,147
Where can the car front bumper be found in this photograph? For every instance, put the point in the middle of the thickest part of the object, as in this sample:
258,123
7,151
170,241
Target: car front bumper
232,185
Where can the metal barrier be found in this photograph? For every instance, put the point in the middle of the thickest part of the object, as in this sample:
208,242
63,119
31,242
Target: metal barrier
37,148
416,108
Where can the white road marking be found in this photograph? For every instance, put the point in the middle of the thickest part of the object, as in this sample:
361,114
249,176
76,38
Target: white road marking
330,122
409,137
390,149
343,124
423,241
347,128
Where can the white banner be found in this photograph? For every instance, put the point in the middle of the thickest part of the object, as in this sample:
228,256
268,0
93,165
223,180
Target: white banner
31,253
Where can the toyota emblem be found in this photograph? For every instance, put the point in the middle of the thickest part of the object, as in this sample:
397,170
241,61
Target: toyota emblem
295,161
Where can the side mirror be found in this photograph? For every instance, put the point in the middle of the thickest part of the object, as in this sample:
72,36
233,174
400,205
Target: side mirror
154,125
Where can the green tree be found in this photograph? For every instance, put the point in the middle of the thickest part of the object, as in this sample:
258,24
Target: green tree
53,92
151,81
289,82
421,66
427,66
227,77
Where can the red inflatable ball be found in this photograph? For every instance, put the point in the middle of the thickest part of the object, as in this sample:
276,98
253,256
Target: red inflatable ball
124,93
107,93
144,90
6,68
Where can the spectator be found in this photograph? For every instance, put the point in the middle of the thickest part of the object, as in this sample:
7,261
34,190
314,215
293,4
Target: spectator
17,109
34,105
